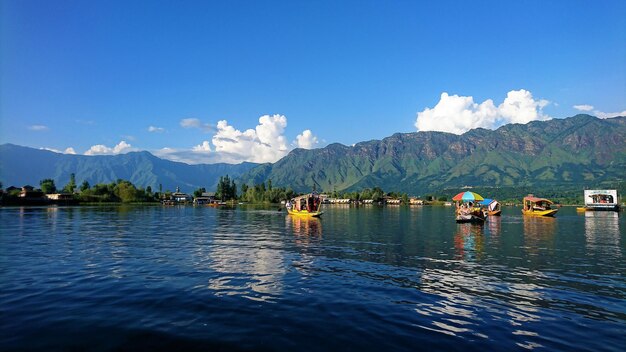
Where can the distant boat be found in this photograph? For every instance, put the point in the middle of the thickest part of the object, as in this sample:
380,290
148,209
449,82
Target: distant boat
602,200
491,207
306,205
467,209
533,206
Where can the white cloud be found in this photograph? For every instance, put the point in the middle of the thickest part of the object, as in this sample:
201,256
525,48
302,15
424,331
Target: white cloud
193,156
69,150
459,114
583,107
598,113
100,149
38,128
195,123
265,143
306,140
608,115
156,129
204,147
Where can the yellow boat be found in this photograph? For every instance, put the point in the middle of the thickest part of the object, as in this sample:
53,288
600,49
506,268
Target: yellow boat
306,205
534,206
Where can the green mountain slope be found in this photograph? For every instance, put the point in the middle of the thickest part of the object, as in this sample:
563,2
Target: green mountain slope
576,151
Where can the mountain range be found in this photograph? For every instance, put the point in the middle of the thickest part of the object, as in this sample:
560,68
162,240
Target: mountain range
579,151
23,165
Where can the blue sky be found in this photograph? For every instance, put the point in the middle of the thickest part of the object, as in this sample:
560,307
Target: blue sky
116,76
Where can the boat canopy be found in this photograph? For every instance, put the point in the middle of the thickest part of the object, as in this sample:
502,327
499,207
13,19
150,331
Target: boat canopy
538,200
491,204
306,196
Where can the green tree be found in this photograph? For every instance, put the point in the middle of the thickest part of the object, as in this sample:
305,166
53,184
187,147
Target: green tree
198,192
84,186
233,190
226,189
377,194
126,191
47,186
71,186
244,189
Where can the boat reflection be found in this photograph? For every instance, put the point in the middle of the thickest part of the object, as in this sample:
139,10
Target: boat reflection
305,228
469,241
494,225
537,229
602,232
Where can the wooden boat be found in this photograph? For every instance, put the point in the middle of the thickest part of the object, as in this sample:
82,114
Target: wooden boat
468,212
534,206
491,207
306,205
475,217
467,207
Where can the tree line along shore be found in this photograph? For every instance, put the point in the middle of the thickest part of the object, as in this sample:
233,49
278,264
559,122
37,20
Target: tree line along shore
123,191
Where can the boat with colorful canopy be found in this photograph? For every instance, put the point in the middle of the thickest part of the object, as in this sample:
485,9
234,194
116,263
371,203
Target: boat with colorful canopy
534,206
467,207
306,205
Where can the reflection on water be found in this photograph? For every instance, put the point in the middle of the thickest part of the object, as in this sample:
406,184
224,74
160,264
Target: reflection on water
304,227
469,241
256,271
539,228
385,278
602,232
539,235
494,226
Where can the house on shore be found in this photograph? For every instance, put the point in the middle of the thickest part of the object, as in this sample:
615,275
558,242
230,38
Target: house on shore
205,198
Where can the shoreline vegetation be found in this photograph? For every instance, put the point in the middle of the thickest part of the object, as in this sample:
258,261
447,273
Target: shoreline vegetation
124,192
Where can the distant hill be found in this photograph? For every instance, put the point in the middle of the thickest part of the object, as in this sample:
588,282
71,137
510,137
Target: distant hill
574,152
22,165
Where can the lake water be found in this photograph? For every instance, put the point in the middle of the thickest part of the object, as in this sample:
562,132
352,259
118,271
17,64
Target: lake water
368,278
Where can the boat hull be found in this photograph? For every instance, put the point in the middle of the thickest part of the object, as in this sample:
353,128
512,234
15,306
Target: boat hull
305,213
469,218
549,212
494,213
612,207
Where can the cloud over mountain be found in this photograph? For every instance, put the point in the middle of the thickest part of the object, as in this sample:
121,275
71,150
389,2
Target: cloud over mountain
598,113
100,149
306,140
264,143
459,114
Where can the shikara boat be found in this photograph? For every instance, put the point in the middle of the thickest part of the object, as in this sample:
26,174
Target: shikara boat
534,206
467,207
306,205
491,207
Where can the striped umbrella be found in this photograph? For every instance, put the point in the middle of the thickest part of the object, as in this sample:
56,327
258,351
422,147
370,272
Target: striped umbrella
468,197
